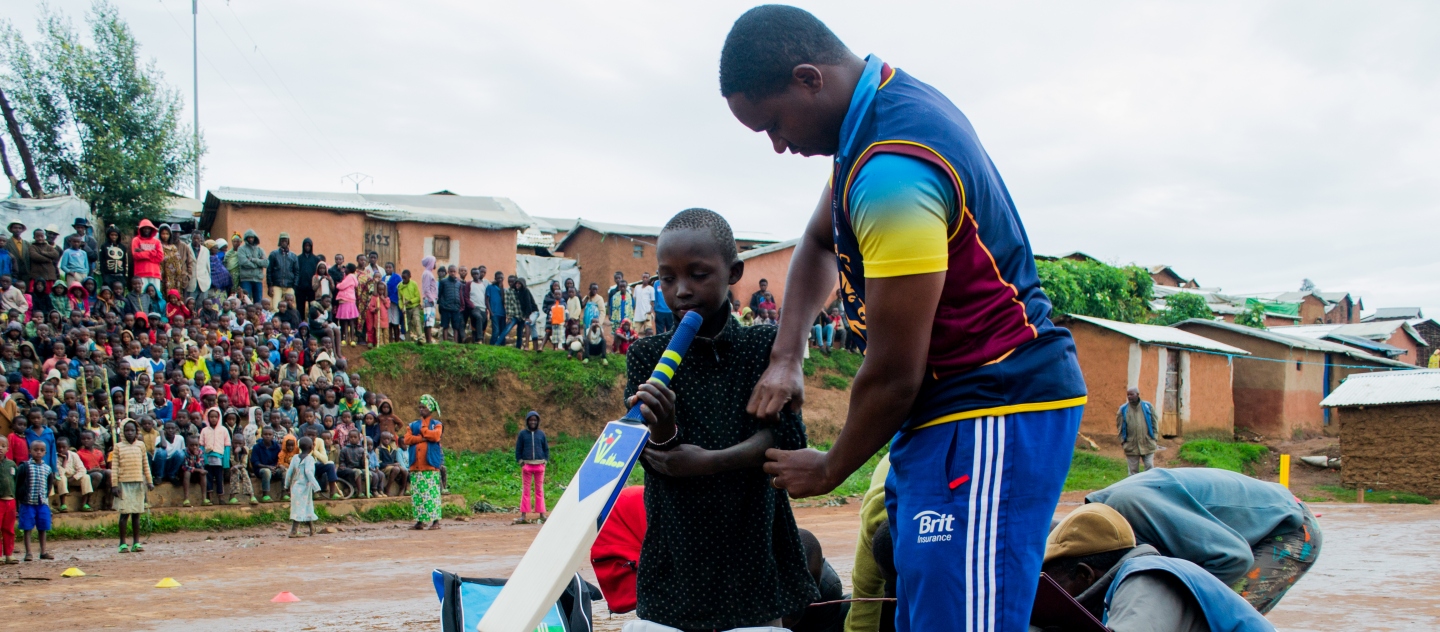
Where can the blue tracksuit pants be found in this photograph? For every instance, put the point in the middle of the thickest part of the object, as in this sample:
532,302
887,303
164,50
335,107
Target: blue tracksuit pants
970,504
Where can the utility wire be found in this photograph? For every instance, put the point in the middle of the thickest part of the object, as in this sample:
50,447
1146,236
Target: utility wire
240,97
314,133
280,78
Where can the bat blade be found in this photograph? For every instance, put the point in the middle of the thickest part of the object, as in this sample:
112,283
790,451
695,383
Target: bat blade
564,541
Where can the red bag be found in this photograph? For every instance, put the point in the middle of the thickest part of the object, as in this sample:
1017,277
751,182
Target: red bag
616,552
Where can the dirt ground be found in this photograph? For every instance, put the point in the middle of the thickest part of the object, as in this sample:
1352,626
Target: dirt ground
1377,571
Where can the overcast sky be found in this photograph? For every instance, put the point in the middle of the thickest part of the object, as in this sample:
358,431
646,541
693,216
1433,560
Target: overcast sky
1249,145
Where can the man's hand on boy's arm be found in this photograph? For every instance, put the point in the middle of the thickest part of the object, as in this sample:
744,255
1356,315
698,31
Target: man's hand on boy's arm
898,313
687,460
783,383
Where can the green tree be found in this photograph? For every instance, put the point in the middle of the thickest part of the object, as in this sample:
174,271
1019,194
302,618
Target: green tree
1253,316
101,123
1091,288
1183,306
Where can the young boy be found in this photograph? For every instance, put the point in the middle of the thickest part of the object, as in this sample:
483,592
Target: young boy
7,504
33,480
722,550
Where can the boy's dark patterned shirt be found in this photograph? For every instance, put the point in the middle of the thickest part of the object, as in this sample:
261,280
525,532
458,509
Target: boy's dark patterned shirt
720,551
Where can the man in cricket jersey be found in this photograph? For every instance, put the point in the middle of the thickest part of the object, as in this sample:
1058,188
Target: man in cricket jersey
977,393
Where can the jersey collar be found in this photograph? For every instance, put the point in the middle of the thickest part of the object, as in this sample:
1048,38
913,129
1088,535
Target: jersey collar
860,103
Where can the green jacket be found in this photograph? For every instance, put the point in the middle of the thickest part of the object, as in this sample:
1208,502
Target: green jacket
251,262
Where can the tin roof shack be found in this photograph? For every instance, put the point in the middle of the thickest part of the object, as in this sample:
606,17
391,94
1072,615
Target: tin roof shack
1185,377
771,263
1390,430
1166,276
1394,339
602,248
456,229
1277,390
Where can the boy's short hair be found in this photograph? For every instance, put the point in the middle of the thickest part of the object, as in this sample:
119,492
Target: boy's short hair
710,222
767,43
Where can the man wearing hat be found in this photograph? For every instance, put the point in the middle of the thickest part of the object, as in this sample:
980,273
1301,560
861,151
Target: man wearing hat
19,251
1093,556
283,270
87,241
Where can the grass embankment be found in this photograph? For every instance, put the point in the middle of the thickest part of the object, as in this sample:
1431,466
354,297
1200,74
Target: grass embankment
468,365
835,370
1336,493
1225,455
184,521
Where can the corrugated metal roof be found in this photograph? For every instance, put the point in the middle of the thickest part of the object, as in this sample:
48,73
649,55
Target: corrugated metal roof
1155,334
1418,386
566,224
1378,330
636,230
460,210
1294,342
1394,313
765,250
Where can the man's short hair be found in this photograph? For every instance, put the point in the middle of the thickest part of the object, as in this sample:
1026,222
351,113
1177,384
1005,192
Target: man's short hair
712,223
767,43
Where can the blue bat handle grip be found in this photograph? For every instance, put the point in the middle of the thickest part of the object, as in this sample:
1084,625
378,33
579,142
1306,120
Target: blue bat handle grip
670,360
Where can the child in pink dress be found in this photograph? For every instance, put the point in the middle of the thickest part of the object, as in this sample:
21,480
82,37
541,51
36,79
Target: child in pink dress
347,313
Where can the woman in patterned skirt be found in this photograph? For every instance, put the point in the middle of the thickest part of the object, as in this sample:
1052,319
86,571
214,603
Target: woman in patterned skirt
426,459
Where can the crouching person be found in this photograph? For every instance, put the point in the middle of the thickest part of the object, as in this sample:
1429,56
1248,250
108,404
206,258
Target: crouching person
1093,556
392,464
265,462
70,471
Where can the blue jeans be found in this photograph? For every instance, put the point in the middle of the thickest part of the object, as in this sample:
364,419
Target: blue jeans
498,330
970,504
166,465
664,321
824,336
255,291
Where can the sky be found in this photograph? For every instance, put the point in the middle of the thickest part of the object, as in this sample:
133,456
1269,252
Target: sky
1249,145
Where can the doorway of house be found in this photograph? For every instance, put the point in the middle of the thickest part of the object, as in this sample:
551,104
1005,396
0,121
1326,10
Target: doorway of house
382,238
1170,419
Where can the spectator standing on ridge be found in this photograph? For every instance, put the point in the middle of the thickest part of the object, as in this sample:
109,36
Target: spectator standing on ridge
282,270
251,266
1136,423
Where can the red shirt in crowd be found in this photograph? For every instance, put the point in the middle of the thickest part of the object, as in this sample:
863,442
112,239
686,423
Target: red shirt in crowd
93,458
238,393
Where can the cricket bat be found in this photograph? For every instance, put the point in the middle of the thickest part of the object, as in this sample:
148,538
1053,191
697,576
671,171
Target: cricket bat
564,542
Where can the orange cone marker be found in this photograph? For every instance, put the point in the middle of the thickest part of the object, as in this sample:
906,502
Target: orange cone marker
284,597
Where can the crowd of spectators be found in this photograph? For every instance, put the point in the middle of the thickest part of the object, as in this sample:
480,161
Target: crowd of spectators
161,359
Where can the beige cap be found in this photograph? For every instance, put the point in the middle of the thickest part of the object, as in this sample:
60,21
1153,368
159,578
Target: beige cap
1093,528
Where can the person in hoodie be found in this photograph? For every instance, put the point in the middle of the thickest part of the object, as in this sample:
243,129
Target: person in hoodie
251,266
220,280
147,254
283,270
199,267
304,286
114,259
429,295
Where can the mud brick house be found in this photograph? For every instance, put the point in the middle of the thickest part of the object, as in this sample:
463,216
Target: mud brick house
1278,388
771,263
1394,339
1185,377
1428,328
1320,308
455,229
1228,307
602,248
1390,430
1166,276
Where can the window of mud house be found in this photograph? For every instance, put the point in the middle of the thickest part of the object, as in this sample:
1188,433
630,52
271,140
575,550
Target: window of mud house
440,247
639,251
